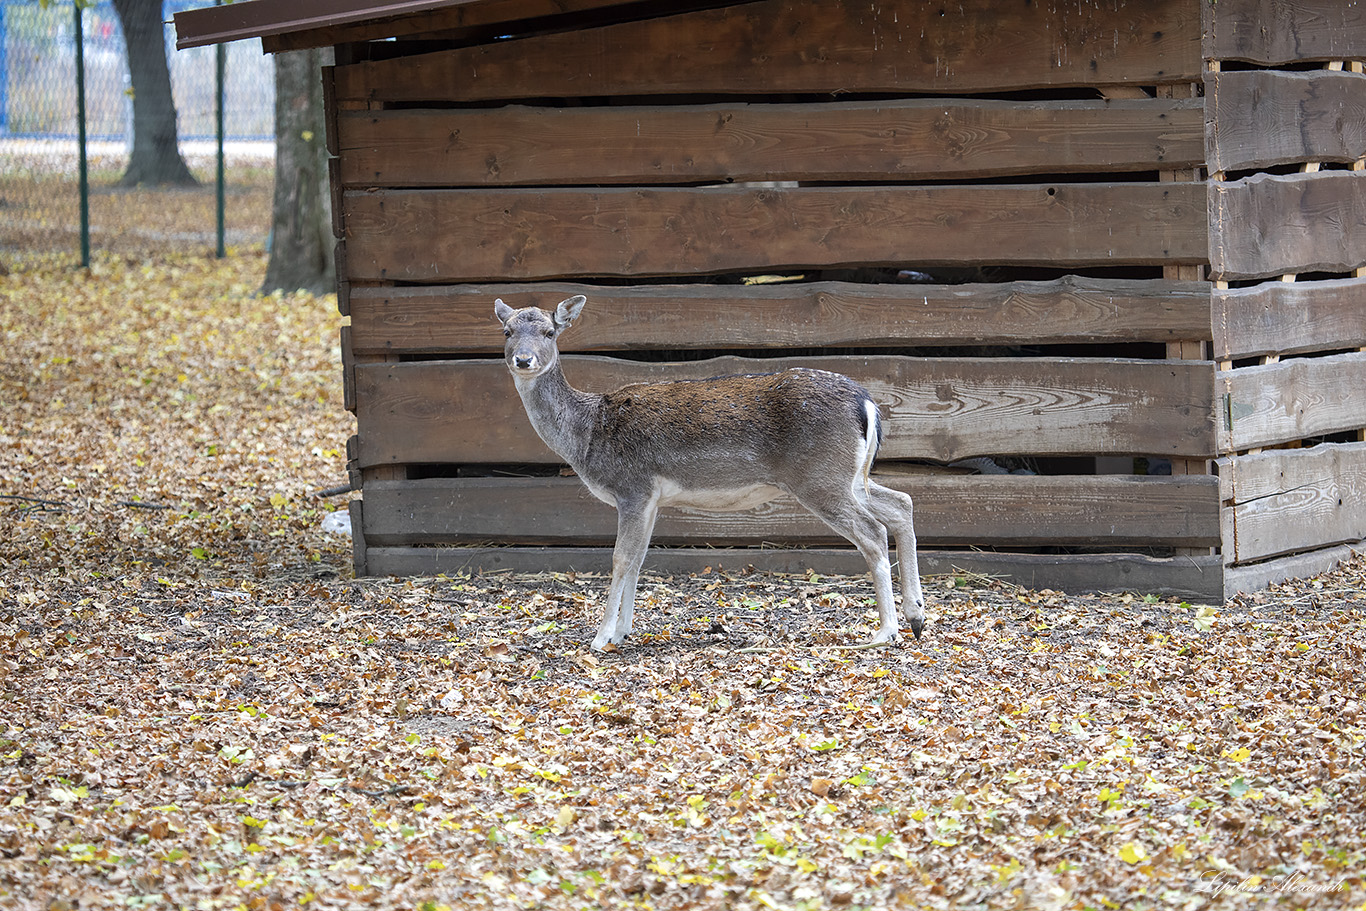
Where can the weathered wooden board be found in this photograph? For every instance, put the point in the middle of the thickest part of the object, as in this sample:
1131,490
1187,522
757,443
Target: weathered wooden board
485,235
1273,32
359,548
1258,118
867,141
965,509
937,408
348,359
1196,578
1289,317
459,318
1294,500
1291,400
1269,225
1254,577
785,46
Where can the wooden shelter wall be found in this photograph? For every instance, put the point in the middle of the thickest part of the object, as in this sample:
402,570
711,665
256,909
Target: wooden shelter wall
1065,191
1287,155
957,509
773,47
942,409
525,234
454,319
880,141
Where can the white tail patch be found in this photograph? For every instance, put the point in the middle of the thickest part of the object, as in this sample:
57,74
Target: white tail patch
870,436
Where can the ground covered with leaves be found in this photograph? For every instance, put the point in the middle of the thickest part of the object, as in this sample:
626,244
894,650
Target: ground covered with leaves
202,709
40,201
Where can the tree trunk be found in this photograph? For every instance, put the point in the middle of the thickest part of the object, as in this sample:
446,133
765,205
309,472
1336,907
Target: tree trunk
301,227
155,159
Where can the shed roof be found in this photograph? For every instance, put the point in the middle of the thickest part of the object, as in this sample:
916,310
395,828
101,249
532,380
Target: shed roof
317,23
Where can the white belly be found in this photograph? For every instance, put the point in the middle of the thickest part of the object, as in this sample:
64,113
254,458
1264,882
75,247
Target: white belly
729,499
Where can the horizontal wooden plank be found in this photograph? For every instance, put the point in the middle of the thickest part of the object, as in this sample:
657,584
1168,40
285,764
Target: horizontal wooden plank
863,141
1254,577
785,46
1273,224
1288,501
458,318
961,509
1291,400
1289,317
498,235
936,408
1273,32
1196,578
1258,118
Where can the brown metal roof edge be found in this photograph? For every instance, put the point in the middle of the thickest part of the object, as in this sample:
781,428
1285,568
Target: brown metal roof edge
259,18
446,22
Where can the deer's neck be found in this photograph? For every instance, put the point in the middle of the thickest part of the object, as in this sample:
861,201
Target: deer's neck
561,415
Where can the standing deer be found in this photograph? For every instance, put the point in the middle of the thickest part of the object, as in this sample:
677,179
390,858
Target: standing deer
726,443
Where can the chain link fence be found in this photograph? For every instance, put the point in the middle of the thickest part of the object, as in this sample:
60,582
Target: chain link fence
39,189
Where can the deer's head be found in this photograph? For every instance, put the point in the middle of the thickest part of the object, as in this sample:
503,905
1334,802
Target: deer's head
532,333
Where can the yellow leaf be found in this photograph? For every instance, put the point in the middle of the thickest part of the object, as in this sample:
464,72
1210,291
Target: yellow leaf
565,818
1132,853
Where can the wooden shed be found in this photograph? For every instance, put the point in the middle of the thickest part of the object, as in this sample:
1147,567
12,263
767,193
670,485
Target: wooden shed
1101,263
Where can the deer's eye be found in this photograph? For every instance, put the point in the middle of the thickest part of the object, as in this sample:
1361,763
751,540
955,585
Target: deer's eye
507,333
550,334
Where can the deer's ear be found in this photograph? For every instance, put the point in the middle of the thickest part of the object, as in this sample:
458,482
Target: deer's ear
502,310
568,311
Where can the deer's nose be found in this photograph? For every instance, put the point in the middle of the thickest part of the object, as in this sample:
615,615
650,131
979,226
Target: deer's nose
523,361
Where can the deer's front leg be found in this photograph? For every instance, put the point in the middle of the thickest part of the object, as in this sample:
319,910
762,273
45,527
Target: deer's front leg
635,523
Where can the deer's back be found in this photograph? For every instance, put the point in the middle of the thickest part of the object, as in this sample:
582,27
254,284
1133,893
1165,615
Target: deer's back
731,429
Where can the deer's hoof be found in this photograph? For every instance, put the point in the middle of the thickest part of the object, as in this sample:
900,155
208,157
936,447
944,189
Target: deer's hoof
917,625
883,638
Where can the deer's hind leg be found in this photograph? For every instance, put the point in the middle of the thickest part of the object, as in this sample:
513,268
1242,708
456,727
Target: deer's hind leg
893,509
856,522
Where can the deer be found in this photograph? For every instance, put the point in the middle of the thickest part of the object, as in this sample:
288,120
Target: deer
721,444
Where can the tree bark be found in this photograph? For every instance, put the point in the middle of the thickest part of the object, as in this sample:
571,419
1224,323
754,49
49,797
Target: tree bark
155,159
301,227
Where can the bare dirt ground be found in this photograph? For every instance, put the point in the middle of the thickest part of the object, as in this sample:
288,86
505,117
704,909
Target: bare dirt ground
200,708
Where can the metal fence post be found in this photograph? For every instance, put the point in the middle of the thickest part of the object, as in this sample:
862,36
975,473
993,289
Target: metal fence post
222,65
220,75
4,74
80,137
